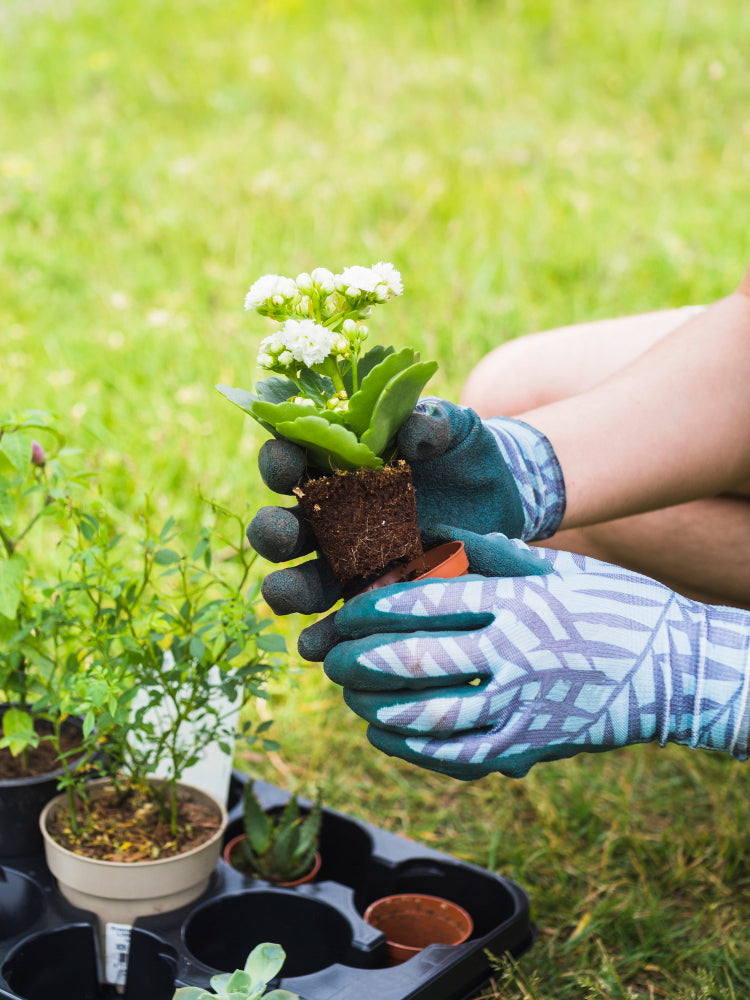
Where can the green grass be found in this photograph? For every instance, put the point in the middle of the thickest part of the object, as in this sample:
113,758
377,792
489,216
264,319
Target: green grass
526,164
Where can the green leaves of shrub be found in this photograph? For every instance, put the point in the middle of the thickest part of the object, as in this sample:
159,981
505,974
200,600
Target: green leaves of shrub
357,437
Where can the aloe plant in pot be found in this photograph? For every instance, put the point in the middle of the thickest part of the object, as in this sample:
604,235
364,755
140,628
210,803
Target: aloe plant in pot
344,406
279,846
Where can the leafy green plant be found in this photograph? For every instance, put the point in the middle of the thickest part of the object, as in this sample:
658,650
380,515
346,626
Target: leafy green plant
166,632
278,847
342,406
263,963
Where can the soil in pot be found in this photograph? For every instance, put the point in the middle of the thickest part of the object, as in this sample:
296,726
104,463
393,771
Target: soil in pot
364,521
38,760
133,828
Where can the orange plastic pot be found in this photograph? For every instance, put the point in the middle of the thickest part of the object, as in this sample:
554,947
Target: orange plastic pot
444,562
411,921
308,877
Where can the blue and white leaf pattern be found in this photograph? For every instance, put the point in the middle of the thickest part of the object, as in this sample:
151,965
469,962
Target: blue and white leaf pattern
537,473
589,657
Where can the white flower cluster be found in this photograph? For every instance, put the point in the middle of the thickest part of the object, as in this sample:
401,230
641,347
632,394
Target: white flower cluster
274,295
381,280
301,342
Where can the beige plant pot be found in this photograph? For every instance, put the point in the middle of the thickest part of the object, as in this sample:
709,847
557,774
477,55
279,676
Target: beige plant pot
117,891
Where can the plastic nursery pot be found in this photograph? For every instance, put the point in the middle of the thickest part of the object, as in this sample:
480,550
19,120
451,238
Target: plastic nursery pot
444,562
308,877
412,921
118,891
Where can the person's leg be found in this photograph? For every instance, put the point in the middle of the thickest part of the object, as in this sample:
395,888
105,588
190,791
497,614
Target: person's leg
541,368
698,548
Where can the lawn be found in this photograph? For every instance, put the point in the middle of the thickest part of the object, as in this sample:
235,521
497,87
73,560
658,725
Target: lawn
525,164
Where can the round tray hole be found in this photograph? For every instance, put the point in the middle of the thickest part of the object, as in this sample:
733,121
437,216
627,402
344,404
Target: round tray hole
222,932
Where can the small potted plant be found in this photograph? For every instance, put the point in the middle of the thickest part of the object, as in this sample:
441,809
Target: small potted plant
263,964
279,846
344,406
129,844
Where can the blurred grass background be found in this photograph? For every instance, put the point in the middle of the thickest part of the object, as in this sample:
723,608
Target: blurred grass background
525,164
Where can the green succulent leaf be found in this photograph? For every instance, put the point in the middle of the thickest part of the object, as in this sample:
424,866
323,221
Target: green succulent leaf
329,444
257,823
395,404
275,389
281,995
365,365
362,404
191,993
264,962
275,413
240,397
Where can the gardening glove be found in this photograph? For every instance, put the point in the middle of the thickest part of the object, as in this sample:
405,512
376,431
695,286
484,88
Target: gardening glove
484,674
498,475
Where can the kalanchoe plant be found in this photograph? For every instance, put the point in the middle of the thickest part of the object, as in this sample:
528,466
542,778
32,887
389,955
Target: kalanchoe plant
342,404
278,848
263,964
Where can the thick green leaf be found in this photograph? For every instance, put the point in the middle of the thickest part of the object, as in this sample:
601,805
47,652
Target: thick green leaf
329,445
264,962
363,403
281,995
240,397
11,577
257,824
316,385
275,389
365,365
395,404
191,993
274,413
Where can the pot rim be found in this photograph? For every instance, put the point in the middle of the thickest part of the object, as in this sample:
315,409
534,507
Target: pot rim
450,556
53,844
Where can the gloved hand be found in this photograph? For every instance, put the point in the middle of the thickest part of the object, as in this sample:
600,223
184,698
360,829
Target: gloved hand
584,659
482,476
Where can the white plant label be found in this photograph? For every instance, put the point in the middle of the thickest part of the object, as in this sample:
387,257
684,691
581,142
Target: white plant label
117,950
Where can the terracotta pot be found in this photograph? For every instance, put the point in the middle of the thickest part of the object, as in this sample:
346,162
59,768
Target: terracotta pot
411,921
444,562
309,877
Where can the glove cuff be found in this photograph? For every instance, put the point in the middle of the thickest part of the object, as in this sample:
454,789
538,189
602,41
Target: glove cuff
537,473
709,701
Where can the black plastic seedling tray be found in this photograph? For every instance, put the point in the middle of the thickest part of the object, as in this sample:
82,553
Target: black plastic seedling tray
48,948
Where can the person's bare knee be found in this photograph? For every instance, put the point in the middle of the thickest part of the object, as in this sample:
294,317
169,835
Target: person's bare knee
511,379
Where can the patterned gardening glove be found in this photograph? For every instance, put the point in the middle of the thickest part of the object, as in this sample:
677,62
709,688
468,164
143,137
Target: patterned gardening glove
584,659
498,475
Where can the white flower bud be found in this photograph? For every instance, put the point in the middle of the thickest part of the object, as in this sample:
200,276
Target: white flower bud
324,279
266,360
349,327
305,282
286,358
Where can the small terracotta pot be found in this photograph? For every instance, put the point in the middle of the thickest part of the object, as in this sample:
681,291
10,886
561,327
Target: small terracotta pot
309,877
411,921
444,562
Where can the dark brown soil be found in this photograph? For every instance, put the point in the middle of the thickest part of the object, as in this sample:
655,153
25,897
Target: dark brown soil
134,830
39,760
364,521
